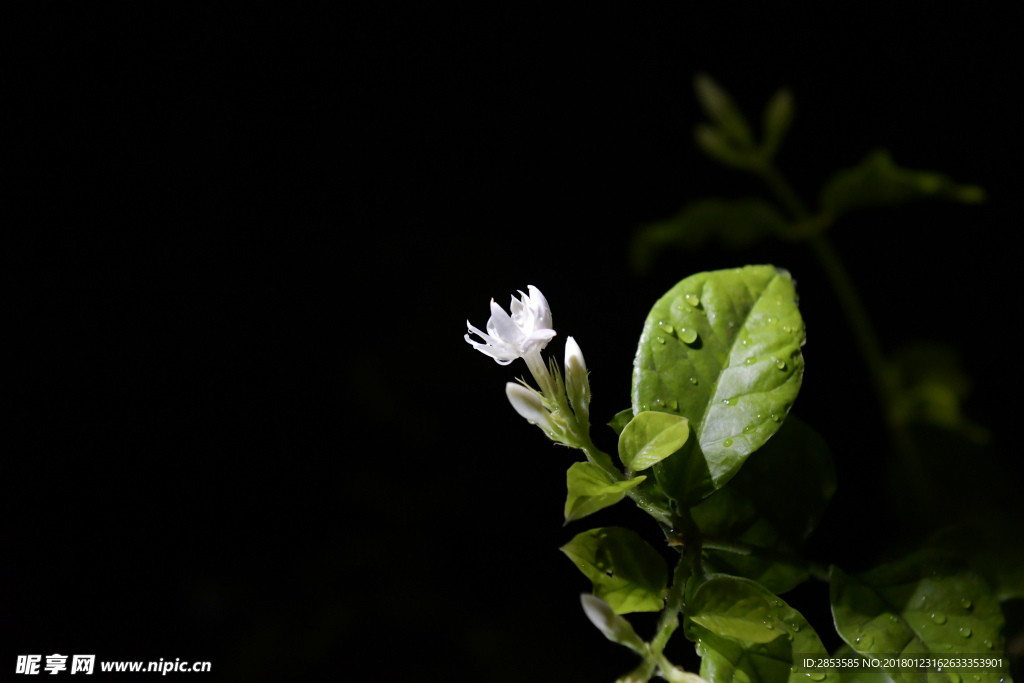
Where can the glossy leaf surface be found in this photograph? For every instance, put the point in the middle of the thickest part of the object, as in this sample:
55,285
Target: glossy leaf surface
922,605
746,634
626,572
721,349
772,504
591,489
650,437
877,181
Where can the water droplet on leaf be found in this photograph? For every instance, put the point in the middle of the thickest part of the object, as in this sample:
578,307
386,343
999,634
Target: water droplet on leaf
748,429
688,334
954,678
660,340
865,641
775,418
966,631
939,618
988,643
692,299
693,380
668,329
727,443
817,676
780,364
966,602
673,404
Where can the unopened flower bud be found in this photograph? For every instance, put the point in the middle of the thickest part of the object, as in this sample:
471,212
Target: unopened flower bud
577,384
530,405
614,627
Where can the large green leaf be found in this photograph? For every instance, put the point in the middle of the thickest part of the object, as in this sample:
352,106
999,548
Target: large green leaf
734,224
722,349
745,634
627,573
772,504
650,437
877,181
591,489
925,605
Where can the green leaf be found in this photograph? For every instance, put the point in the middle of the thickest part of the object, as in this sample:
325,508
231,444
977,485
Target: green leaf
734,224
778,116
722,349
626,572
651,437
720,109
591,489
772,504
746,634
877,181
620,420
922,605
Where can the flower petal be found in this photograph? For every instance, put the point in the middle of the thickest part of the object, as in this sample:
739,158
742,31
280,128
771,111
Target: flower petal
501,326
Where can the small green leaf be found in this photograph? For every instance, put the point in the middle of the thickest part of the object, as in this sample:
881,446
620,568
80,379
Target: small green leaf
772,504
620,420
591,489
745,634
923,605
723,350
778,116
877,181
734,224
626,572
720,109
651,437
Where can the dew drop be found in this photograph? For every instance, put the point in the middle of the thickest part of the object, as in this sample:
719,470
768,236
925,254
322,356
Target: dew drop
785,328
668,328
661,340
944,646
816,676
727,401
865,641
673,404
966,602
743,341
688,334
693,380
732,324
954,678
727,443
748,429
939,618
780,364
988,643
795,627
775,418
749,361
692,299
966,631
771,320
894,619
767,624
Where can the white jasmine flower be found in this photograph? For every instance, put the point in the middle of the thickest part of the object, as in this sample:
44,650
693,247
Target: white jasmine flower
524,333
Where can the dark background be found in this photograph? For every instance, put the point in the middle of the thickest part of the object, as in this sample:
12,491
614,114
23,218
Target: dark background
248,429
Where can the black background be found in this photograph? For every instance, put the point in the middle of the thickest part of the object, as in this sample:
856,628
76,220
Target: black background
248,429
